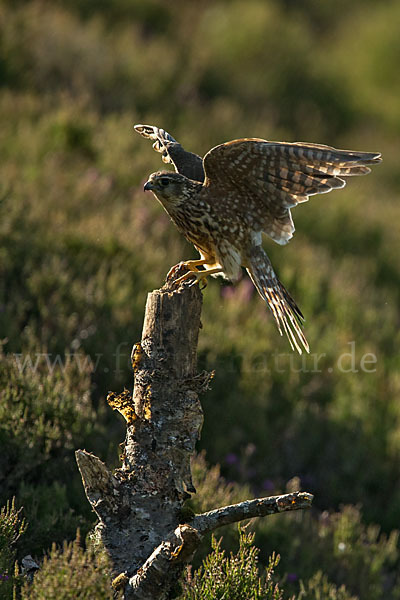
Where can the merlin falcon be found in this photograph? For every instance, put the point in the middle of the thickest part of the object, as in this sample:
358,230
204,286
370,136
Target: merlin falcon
222,204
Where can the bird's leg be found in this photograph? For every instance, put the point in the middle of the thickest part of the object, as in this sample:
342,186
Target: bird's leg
191,265
200,276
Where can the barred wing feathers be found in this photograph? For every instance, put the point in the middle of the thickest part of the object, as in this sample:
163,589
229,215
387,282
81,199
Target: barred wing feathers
270,178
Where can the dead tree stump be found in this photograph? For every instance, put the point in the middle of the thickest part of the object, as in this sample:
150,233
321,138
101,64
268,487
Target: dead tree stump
139,505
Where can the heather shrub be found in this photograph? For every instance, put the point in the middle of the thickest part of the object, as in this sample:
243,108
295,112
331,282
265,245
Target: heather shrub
44,416
235,576
71,572
12,526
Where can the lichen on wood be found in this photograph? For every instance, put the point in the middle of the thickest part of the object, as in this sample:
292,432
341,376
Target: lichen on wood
139,505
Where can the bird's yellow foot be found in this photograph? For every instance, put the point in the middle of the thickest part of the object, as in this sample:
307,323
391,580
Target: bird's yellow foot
202,281
199,276
174,270
188,265
187,275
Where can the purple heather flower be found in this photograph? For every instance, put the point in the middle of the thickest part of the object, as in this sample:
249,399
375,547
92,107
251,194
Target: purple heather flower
231,459
228,291
268,484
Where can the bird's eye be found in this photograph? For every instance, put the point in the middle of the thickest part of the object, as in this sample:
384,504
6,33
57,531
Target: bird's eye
164,181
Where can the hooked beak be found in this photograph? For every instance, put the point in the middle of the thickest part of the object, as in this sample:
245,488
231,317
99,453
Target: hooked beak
148,186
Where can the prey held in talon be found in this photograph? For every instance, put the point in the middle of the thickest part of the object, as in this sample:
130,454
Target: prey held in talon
224,202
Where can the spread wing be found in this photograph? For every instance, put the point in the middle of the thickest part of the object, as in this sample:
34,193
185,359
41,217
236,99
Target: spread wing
270,178
186,163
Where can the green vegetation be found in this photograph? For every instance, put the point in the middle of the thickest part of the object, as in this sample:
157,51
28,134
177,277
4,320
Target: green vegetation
80,246
12,526
235,577
70,573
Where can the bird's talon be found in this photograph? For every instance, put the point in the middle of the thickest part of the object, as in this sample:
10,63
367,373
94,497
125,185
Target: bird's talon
203,283
185,277
173,271
189,266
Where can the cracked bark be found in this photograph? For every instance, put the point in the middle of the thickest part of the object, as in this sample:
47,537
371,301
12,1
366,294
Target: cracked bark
139,505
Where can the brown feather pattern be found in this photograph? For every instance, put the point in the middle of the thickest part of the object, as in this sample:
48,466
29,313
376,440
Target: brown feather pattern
250,186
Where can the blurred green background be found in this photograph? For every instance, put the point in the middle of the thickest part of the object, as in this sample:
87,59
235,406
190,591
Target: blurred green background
81,245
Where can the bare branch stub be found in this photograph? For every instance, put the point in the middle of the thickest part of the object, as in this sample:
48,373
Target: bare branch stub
259,507
180,546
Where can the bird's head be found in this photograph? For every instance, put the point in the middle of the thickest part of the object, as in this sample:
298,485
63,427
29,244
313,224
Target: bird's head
170,188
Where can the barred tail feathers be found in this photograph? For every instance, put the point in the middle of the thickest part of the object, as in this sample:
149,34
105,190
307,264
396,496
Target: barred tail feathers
286,313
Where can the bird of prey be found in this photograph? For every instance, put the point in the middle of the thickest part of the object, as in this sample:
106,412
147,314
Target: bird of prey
222,204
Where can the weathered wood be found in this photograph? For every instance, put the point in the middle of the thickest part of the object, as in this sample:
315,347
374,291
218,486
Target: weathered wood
139,505
181,545
259,507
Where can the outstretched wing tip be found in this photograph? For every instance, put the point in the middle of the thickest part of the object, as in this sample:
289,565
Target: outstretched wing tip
375,157
147,131
144,130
